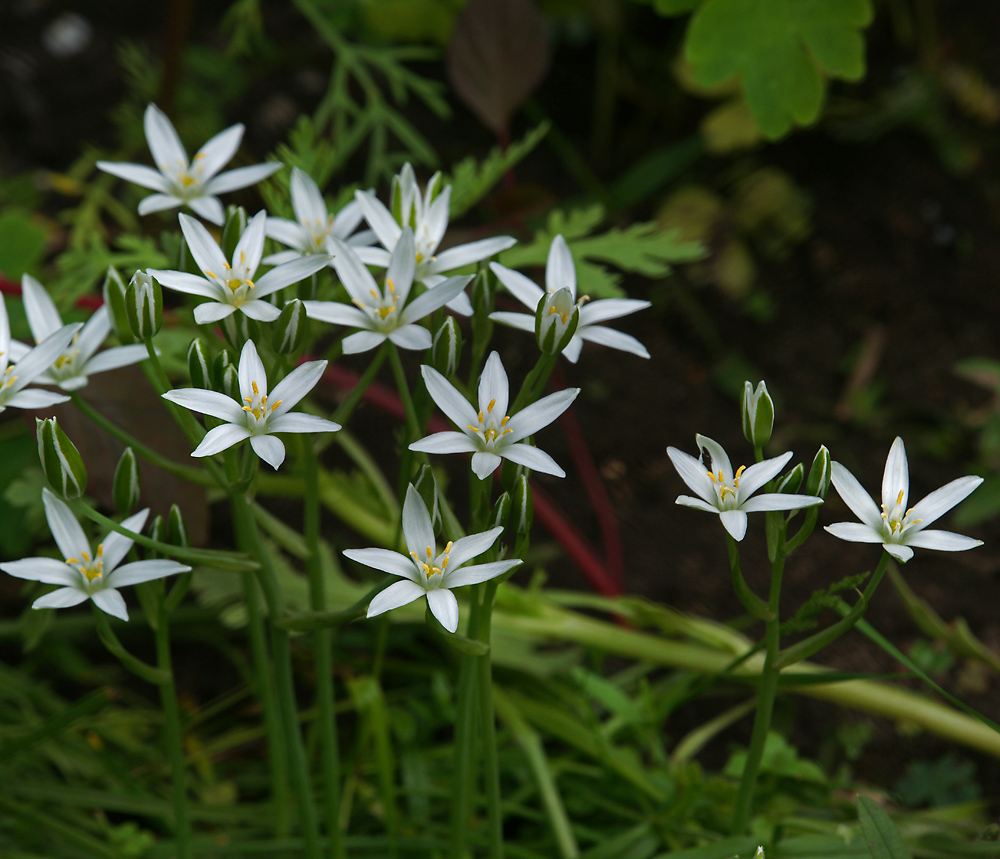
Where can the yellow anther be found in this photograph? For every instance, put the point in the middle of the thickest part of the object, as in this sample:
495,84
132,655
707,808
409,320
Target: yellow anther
430,553
447,548
100,550
899,498
480,417
736,477
275,405
712,476
420,257
211,274
243,258
375,294
390,285
506,431
489,408
248,399
506,418
256,390
187,181
72,560
199,156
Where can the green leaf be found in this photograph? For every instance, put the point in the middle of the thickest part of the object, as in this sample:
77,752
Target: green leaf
22,243
781,50
880,833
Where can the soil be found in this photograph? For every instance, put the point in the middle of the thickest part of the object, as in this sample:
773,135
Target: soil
894,285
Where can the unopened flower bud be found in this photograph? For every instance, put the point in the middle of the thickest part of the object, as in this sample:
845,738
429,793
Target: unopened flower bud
231,382
291,329
447,349
236,223
820,472
522,508
219,365
198,366
114,299
792,481
177,534
758,414
144,305
556,320
158,532
501,511
426,485
61,461
125,486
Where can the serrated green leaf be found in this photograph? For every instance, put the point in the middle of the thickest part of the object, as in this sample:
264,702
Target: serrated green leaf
880,833
781,50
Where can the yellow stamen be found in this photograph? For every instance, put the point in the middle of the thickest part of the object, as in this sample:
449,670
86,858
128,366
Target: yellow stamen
390,285
489,408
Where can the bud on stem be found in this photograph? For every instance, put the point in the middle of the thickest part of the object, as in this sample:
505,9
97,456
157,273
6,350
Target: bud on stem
61,461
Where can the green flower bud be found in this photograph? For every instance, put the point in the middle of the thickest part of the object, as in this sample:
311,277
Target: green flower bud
61,461
291,329
158,532
236,223
126,486
556,320
501,511
522,508
114,299
820,473
144,305
447,349
396,200
481,293
222,360
231,382
792,481
177,534
198,367
758,414
426,485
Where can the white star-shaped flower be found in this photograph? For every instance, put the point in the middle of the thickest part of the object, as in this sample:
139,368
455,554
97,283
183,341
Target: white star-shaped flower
314,223
255,418
383,314
179,182
560,273
490,434
29,364
428,572
230,284
722,491
71,369
428,217
85,574
895,526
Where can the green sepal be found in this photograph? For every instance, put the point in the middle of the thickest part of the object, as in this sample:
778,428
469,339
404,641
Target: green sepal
501,511
177,533
791,481
522,506
199,368
236,223
290,331
222,360
60,460
556,319
820,474
126,485
114,291
144,305
231,382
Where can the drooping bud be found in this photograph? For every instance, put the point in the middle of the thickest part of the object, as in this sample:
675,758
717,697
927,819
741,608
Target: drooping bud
522,508
758,414
426,485
61,461
231,382
792,481
125,487
177,534
291,329
501,511
236,223
114,299
556,320
144,305
447,349
198,366
820,473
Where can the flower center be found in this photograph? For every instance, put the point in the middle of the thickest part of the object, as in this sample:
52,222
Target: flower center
382,306
67,360
491,427
258,405
237,279
8,377
897,520
727,494
430,567
89,568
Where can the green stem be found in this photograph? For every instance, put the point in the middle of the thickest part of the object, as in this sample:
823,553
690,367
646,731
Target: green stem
765,699
412,421
186,421
347,407
465,736
322,649
534,382
282,660
174,739
883,565
487,721
186,472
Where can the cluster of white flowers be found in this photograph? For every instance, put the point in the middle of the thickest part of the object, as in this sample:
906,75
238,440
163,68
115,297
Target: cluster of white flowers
402,238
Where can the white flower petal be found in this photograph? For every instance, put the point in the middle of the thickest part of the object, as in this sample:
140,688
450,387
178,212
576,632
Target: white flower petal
385,560
307,201
943,541
466,548
297,384
559,269
395,596
218,151
288,233
940,501
164,144
220,438
213,311
158,203
182,281
66,531
351,270
62,598
485,463
855,497
116,546
719,459
735,522
411,337
540,414
418,530
445,442
300,422
208,208
854,532
93,334
469,253
268,448
605,309
250,247
241,177
696,503
458,409
145,571
760,473
362,341
523,289
39,359
612,339
110,602
778,501
205,250
695,475
262,311
207,402
290,272
495,389
147,177
336,313
535,459
478,573
444,607
253,378
34,398
899,552
43,318
522,321
402,266
435,297
47,570
896,478
115,357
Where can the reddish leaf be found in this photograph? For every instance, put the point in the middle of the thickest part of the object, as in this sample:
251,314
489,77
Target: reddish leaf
497,56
